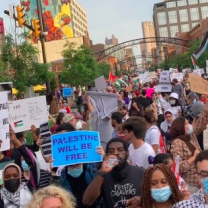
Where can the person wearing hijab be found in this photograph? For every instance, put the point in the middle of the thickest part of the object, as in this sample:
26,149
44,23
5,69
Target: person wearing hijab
14,194
185,144
165,126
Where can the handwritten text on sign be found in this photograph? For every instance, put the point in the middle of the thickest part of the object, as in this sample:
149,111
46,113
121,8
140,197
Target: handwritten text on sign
75,147
67,92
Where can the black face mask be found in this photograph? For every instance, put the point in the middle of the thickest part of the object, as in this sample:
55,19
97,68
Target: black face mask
12,185
144,93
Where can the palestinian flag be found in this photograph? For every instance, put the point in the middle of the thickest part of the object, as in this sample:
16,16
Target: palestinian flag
120,81
112,78
117,85
18,124
202,49
194,63
135,80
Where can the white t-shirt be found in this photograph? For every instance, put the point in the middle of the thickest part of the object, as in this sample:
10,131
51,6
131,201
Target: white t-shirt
152,136
139,157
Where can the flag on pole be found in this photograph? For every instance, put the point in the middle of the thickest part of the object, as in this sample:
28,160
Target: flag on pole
194,63
112,78
117,85
120,81
202,48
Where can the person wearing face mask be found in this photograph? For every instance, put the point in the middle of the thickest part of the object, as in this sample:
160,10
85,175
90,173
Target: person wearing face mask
159,188
14,193
165,126
144,100
185,144
200,198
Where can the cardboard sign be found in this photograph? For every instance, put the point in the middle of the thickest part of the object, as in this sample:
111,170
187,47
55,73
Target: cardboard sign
4,121
100,83
129,89
75,147
152,75
27,112
67,92
198,84
46,138
7,86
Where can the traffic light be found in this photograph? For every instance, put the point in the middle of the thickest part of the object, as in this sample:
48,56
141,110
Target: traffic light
20,15
36,26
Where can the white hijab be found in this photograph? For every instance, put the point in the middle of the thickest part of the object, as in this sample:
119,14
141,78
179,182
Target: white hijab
164,125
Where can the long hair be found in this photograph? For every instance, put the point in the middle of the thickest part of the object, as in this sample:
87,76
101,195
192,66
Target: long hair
146,200
68,201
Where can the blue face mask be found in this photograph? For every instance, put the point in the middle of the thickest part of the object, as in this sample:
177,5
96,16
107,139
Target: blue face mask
195,100
75,173
205,185
161,194
25,166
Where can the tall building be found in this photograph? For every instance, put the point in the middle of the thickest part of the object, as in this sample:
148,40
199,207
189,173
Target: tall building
112,41
2,34
171,17
79,19
147,48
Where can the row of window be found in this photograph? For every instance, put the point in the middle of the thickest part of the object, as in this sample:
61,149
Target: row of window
184,3
79,15
174,29
78,27
78,8
80,22
77,33
183,15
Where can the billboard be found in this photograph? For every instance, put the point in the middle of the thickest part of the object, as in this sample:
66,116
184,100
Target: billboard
57,18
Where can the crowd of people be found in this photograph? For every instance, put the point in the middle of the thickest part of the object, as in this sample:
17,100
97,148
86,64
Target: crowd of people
154,148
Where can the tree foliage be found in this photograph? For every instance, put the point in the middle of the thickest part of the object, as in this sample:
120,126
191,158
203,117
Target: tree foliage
184,60
19,65
80,66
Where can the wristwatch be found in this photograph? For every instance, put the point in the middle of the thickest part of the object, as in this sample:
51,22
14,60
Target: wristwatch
100,173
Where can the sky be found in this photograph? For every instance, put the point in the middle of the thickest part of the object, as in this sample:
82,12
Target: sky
106,17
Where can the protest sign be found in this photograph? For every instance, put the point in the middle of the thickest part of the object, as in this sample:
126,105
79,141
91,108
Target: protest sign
27,112
4,121
163,88
100,83
197,72
42,163
149,92
198,84
187,70
46,138
178,76
75,147
67,92
202,71
152,75
165,77
129,88
7,86
173,70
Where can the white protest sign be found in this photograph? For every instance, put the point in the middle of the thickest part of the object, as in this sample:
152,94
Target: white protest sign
100,83
4,121
178,76
173,70
165,77
164,88
188,70
144,78
202,71
27,112
43,164
152,75
197,72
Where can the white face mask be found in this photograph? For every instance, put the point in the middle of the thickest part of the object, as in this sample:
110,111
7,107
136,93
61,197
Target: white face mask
78,125
172,102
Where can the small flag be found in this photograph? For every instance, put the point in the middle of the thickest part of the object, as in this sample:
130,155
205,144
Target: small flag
18,124
202,48
112,78
117,85
194,63
120,81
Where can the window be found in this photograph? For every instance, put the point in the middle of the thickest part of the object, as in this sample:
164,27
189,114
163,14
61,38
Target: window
163,31
183,15
204,11
162,18
173,30
171,4
203,1
191,2
194,14
185,28
172,15
182,3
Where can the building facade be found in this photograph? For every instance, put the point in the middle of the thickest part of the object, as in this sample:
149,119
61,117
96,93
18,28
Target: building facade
79,19
2,34
113,41
171,17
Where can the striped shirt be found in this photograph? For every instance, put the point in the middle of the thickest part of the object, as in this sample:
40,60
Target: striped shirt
44,179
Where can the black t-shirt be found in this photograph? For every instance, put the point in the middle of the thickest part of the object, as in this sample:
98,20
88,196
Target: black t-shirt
145,102
5,159
121,186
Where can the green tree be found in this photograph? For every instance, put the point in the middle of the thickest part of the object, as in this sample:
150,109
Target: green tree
80,66
19,65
